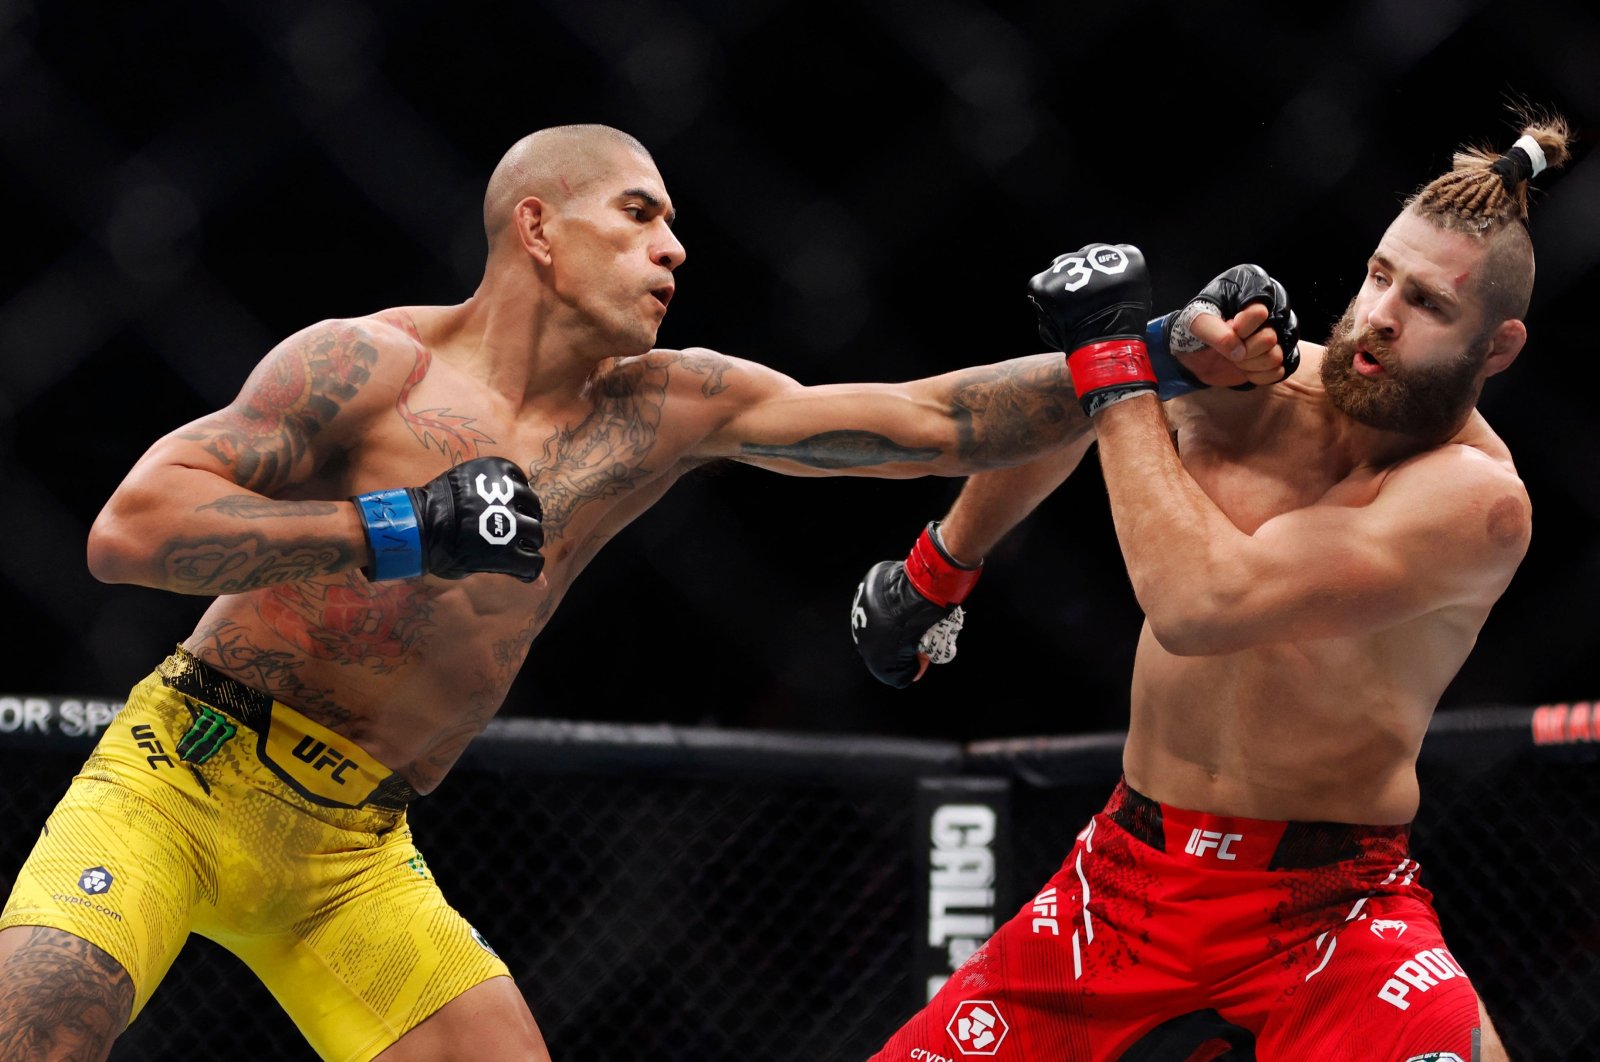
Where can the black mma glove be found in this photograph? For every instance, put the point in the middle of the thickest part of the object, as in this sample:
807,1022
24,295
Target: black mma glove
1225,296
480,516
1094,304
905,607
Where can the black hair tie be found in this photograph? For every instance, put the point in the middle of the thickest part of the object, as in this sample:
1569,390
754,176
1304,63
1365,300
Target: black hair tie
1522,163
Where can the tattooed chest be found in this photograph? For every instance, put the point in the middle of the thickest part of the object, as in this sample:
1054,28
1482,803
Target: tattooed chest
578,467
579,474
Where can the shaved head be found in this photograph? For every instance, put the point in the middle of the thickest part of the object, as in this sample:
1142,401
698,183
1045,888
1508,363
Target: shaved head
553,164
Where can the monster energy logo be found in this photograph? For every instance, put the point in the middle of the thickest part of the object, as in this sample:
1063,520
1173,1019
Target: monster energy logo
208,733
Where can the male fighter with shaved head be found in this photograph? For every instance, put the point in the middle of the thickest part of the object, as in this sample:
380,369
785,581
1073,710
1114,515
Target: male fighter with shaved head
387,515
1314,561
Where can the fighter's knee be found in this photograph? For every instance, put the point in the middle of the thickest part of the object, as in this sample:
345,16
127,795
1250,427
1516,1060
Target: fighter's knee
60,996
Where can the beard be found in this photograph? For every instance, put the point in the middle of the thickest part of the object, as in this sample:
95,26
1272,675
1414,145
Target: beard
1428,403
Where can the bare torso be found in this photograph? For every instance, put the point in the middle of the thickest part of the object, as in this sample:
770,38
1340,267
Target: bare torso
414,669
1324,728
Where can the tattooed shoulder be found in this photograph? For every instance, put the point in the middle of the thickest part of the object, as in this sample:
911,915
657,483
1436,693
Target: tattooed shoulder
289,399
699,367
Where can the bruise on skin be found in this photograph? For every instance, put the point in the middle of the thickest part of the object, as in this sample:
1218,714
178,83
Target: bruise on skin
1461,279
1507,522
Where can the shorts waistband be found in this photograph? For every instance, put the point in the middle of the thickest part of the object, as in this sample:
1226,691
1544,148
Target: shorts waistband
1248,844
315,761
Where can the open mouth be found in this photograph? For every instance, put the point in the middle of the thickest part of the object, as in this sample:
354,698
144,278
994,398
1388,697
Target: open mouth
662,295
1367,365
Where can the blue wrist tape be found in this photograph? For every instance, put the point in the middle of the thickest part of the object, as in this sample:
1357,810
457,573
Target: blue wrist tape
393,534
1172,379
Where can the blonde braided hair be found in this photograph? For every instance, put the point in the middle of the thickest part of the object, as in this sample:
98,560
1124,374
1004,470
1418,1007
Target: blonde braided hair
1485,195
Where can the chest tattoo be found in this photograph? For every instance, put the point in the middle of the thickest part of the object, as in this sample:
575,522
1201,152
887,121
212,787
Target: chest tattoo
452,434
603,456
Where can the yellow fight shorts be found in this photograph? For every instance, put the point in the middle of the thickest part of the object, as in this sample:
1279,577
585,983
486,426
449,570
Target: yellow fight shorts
209,808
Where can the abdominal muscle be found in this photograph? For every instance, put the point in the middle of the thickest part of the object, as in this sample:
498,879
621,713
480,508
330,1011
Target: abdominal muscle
1323,731
411,671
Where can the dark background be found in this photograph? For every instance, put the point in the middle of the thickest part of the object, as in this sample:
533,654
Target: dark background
864,189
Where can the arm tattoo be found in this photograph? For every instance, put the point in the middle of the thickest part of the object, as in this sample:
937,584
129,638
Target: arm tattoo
253,508
292,397
1015,410
248,562
842,449
713,369
1002,414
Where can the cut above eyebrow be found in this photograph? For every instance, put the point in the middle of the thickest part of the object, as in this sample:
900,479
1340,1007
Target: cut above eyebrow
1437,292
652,201
1442,295
1440,292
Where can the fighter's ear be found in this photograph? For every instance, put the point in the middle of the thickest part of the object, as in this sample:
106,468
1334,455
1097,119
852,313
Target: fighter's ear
528,220
1505,343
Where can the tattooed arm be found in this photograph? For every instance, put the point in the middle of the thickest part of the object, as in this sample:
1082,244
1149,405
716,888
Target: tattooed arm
954,424
197,514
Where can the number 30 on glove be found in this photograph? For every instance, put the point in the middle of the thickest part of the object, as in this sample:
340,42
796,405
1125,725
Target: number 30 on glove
480,516
1094,304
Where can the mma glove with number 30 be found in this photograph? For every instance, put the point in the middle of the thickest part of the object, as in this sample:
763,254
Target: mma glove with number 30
894,624
1094,304
480,516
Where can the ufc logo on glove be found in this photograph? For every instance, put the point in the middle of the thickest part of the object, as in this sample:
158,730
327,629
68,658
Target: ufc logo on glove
427,530
496,523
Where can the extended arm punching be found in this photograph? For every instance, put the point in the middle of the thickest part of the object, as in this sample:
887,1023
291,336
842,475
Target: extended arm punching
898,627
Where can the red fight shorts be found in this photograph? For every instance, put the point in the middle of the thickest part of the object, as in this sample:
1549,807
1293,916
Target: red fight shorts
1180,935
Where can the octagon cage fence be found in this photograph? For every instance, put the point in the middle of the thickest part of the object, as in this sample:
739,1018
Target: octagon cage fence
672,893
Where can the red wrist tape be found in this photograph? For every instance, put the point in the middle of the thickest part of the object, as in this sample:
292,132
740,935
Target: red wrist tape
935,575
1109,363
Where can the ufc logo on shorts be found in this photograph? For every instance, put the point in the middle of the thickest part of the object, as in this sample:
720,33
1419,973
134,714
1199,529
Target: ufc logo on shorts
146,739
1421,972
1044,912
496,525
320,756
1202,840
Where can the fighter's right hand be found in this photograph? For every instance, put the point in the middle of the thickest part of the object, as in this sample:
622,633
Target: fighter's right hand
480,516
906,613
1093,304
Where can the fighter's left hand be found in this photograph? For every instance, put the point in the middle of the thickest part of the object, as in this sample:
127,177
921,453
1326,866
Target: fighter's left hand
1239,331
1243,349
